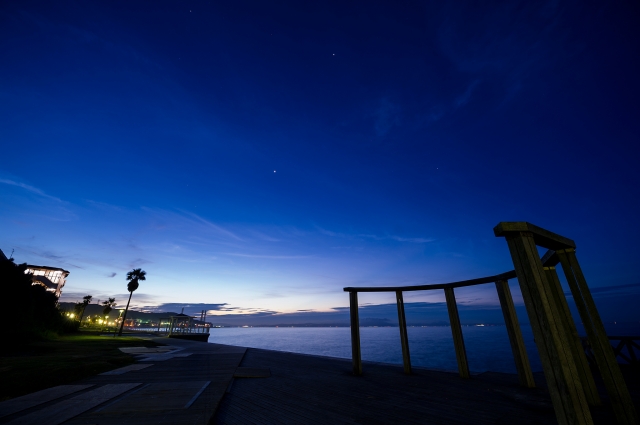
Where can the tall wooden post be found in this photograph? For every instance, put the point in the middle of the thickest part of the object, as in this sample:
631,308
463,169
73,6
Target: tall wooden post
609,370
356,356
518,348
404,339
577,352
565,387
456,331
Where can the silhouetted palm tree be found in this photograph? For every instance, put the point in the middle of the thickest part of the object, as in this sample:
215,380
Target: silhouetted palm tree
85,302
108,306
133,277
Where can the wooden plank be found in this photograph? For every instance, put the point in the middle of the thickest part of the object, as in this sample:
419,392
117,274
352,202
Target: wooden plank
28,401
541,237
158,396
472,282
404,339
313,389
565,387
132,367
356,355
525,375
550,259
67,409
577,352
252,372
456,330
609,370
165,349
196,395
630,349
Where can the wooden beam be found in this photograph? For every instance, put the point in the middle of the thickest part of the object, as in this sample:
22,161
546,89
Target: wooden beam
456,330
550,259
609,370
565,387
479,281
356,356
515,335
542,237
577,352
404,339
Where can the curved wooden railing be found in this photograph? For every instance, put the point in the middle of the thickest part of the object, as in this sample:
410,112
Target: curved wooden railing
618,344
460,284
565,365
508,311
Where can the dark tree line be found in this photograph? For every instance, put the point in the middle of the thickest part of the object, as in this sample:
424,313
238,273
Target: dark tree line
29,311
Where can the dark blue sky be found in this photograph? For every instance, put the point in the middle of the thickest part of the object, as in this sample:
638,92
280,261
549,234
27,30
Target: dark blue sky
265,156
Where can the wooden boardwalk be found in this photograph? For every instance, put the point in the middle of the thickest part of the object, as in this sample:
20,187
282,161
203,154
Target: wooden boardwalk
318,390
198,383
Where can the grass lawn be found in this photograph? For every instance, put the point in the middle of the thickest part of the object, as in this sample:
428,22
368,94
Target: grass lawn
45,364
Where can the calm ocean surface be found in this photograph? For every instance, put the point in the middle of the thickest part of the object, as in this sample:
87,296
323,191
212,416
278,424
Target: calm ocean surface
487,347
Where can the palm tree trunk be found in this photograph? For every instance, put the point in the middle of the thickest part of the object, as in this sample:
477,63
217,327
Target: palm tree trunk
82,315
124,316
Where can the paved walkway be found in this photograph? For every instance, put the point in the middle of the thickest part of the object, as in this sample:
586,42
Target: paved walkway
198,383
179,384
306,389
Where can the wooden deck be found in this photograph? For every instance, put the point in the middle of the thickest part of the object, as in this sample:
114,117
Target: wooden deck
200,383
319,390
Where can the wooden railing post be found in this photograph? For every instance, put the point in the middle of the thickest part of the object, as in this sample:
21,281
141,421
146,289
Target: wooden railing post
456,331
355,334
609,370
404,340
515,335
565,387
577,352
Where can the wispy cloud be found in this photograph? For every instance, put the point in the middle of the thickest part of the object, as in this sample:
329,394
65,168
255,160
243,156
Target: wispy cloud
31,189
373,237
59,259
264,236
274,257
330,233
602,291
211,225
189,308
412,240
421,313
105,206
37,204
138,262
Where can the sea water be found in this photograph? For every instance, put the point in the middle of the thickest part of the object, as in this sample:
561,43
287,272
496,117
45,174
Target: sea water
431,347
487,347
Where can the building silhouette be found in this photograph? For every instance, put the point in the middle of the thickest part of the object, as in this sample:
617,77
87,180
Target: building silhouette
52,278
